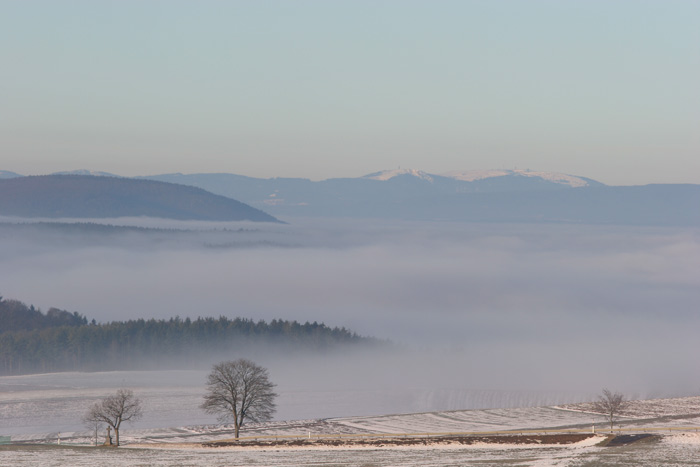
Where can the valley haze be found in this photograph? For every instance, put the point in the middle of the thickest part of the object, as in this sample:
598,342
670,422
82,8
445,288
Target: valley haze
478,314
480,306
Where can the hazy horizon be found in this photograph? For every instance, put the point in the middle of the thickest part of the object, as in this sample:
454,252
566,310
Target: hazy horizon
483,172
606,90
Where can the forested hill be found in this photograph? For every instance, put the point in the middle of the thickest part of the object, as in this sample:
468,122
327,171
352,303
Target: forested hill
16,316
34,342
84,196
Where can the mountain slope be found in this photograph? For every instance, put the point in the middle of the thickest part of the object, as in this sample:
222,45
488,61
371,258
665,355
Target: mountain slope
653,205
472,196
357,197
572,181
476,196
5,174
81,196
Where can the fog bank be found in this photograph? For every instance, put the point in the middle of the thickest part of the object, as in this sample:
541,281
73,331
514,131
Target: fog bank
493,307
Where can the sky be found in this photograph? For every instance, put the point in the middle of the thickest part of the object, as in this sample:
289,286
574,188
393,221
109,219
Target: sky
319,89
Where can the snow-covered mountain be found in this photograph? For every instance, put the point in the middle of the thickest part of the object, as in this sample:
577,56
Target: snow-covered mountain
554,177
86,172
385,175
478,175
472,196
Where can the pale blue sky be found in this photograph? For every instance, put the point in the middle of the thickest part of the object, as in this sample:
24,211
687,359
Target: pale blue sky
320,89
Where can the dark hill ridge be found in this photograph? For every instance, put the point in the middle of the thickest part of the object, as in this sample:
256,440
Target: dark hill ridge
34,342
84,196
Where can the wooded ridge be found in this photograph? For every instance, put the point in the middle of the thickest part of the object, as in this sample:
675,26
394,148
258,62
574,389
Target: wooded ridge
34,342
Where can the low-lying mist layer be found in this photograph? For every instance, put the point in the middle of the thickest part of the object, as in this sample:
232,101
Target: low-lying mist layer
502,307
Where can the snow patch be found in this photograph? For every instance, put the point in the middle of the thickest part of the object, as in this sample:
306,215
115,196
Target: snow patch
389,174
85,172
554,177
683,438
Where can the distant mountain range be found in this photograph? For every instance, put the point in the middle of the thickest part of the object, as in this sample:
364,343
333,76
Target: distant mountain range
83,196
472,196
380,194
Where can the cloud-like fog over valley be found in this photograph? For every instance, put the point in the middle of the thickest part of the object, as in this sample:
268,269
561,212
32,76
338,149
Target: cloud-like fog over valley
506,307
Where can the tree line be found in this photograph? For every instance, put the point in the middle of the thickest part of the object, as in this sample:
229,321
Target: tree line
16,316
34,342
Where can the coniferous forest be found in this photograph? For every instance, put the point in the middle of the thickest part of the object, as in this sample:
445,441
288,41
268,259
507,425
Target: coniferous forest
35,342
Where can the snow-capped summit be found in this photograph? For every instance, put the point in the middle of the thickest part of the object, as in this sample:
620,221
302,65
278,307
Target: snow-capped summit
554,177
385,175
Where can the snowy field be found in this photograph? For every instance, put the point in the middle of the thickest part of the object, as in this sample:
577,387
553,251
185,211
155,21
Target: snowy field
681,449
41,408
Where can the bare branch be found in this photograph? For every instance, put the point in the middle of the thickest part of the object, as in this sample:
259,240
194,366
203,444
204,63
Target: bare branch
610,404
113,410
239,391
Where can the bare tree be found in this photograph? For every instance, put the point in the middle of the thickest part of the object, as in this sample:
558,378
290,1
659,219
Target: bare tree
610,404
239,391
113,410
94,425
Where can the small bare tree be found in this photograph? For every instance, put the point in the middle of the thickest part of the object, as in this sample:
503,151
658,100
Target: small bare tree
610,404
239,391
94,425
113,410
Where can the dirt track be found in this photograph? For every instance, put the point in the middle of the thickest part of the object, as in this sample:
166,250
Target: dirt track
409,441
